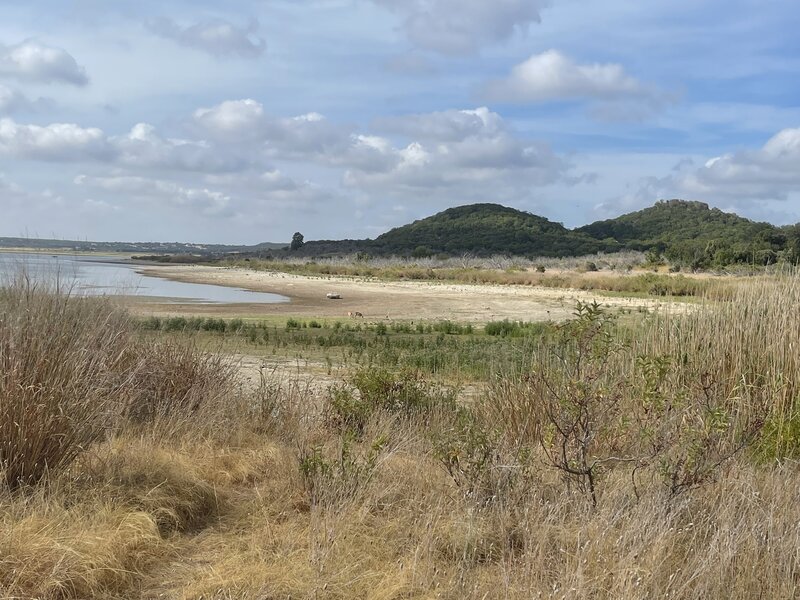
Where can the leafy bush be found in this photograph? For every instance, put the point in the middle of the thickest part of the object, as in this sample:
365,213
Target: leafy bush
374,389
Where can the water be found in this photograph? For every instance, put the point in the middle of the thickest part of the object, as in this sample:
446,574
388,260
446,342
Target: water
99,275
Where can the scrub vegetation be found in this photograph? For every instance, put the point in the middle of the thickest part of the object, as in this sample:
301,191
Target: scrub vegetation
613,455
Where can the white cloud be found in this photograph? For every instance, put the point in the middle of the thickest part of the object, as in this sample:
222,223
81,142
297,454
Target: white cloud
216,36
309,137
144,147
553,76
206,202
233,118
748,181
450,125
454,150
33,61
457,27
464,153
769,173
244,160
55,142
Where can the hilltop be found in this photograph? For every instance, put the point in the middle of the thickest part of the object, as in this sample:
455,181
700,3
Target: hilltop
485,229
693,232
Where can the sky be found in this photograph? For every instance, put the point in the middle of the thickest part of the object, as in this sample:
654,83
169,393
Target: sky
247,120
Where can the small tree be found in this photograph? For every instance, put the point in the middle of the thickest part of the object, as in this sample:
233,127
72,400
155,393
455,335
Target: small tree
421,252
297,241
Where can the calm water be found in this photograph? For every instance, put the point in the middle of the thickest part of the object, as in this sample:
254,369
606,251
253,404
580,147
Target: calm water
106,275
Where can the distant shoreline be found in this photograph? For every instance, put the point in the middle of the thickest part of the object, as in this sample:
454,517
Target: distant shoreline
65,252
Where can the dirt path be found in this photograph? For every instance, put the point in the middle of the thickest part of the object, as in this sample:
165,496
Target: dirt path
404,300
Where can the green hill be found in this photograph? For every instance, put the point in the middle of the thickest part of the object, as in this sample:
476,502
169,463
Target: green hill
693,233
485,229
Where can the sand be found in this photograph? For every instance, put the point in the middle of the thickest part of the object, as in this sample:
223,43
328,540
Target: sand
380,300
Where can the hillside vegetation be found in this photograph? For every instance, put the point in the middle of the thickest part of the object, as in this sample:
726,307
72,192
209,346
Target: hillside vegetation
486,229
687,234
694,234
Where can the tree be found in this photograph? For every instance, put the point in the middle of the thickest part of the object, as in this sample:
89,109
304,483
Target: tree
297,241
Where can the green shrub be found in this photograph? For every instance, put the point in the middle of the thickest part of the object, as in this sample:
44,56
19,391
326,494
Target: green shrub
373,389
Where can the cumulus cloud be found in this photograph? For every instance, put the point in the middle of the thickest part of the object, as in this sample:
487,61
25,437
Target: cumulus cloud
748,180
144,147
215,36
554,76
771,172
460,152
309,136
237,152
441,147
465,151
457,27
448,126
232,118
55,142
33,61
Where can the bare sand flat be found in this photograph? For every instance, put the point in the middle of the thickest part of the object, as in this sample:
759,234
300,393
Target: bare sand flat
406,300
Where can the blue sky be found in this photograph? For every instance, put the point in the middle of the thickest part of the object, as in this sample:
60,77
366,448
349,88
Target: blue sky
245,121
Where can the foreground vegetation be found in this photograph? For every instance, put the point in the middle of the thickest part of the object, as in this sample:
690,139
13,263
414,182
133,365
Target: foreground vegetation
616,456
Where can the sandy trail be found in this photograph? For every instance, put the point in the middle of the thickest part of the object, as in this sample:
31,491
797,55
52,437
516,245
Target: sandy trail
404,300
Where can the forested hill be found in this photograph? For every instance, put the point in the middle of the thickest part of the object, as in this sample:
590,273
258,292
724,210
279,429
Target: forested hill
670,221
692,232
486,229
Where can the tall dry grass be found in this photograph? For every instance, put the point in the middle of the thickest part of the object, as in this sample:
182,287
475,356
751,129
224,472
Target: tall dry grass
203,492
72,371
60,377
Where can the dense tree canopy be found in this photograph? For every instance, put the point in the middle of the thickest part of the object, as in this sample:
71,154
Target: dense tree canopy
693,234
485,229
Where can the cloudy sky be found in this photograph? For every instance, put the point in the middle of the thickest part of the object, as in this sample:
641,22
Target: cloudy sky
246,120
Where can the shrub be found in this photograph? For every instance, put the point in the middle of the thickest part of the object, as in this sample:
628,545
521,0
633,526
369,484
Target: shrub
590,266
372,389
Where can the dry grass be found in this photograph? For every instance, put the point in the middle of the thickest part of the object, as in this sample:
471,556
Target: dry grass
183,487
60,378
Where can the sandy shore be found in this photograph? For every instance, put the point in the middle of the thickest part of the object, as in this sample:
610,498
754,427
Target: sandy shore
405,300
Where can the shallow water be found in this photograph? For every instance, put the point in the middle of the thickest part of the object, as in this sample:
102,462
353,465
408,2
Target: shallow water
109,275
